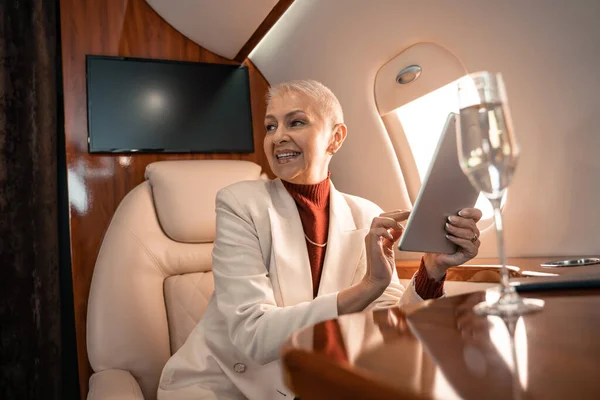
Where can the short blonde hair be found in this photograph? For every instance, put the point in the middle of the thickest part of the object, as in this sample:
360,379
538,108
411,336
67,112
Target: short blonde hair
325,101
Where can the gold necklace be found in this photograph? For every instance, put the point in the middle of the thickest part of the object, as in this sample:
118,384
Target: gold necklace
316,244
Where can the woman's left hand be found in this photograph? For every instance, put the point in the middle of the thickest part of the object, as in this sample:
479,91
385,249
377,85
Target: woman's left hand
462,230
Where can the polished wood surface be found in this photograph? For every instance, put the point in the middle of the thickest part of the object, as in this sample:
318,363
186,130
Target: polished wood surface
98,182
441,349
463,273
259,87
263,28
315,377
488,270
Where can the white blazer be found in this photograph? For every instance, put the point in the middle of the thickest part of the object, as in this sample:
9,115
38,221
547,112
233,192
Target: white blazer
263,291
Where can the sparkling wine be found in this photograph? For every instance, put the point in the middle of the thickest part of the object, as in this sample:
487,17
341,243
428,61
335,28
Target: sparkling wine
487,149
488,154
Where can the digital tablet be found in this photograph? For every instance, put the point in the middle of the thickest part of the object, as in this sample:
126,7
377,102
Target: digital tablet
444,192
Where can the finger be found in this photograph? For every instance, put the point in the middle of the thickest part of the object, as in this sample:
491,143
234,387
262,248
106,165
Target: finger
397,211
387,244
469,247
393,211
388,252
460,232
397,215
381,233
396,234
385,222
461,222
472,213
383,257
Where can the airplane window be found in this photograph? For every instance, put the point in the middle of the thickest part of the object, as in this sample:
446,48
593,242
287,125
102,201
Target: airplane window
423,120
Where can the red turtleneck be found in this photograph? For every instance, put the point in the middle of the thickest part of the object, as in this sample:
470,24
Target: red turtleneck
313,206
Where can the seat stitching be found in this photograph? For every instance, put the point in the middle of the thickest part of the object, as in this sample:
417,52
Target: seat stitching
195,279
188,289
147,251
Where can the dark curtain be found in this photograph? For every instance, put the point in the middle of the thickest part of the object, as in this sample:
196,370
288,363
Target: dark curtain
30,324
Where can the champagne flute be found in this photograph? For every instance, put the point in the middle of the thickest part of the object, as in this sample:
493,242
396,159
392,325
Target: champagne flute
488,154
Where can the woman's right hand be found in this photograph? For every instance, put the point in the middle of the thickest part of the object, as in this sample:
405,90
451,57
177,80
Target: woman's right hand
384,231
379,242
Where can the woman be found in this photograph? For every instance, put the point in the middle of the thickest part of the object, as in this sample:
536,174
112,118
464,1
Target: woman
293,252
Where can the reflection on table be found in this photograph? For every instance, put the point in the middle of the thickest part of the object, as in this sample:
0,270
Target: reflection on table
442,350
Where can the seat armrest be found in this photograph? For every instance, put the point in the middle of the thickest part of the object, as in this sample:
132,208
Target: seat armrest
114,384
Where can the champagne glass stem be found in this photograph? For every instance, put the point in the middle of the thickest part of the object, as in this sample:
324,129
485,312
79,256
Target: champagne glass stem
504,276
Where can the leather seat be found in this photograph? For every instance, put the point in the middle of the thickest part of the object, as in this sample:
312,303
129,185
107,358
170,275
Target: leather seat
152,278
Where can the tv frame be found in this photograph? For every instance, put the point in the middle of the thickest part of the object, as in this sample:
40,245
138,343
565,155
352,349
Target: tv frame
88,57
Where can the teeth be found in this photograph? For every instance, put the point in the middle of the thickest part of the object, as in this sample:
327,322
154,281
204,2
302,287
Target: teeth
286,155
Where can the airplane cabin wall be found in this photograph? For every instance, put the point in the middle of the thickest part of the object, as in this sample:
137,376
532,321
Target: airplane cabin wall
548,52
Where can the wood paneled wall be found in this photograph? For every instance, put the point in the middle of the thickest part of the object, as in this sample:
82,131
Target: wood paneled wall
97,183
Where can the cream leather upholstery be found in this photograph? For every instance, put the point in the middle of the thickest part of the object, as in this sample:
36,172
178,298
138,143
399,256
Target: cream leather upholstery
152,278
186,299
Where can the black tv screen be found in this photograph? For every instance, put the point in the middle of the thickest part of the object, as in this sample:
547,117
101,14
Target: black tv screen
142,105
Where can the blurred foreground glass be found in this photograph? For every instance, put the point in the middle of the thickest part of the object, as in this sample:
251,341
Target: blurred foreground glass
488,153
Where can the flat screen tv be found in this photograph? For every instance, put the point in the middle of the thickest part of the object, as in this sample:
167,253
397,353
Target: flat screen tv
144,105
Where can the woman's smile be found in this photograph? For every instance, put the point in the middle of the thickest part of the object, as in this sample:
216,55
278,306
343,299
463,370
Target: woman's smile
297,138
287,156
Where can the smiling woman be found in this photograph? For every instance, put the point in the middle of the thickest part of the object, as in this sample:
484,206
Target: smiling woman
293,252
297,115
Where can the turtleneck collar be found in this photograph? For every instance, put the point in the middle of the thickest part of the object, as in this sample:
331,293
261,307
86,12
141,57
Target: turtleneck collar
311,196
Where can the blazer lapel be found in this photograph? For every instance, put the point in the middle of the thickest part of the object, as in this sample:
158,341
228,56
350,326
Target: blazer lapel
345,245
289,248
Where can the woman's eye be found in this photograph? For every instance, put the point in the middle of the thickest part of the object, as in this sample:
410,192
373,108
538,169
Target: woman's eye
270,128
296,123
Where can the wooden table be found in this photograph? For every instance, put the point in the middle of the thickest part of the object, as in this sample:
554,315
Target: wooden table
488,270
440,349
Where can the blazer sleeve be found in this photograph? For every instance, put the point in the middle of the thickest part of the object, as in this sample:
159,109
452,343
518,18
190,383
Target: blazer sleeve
256,325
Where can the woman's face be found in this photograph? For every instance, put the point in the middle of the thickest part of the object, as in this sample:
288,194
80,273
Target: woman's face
299,140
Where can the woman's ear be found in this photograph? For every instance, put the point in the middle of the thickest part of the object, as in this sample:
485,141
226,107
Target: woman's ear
339,135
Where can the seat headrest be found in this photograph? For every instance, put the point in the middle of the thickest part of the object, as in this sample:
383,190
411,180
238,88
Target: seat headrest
184,194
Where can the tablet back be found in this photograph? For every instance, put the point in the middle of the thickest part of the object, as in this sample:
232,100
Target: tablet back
445,191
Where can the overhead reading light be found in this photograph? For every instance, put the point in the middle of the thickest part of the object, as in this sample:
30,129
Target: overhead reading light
408,74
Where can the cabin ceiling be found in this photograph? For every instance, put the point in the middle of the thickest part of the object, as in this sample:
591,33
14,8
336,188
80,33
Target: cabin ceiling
222,27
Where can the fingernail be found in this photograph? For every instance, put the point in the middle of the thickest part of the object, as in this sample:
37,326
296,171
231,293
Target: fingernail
447,236
447,225
462,213
452,218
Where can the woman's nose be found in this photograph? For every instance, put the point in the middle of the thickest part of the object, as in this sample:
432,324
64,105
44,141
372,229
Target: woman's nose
279,136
